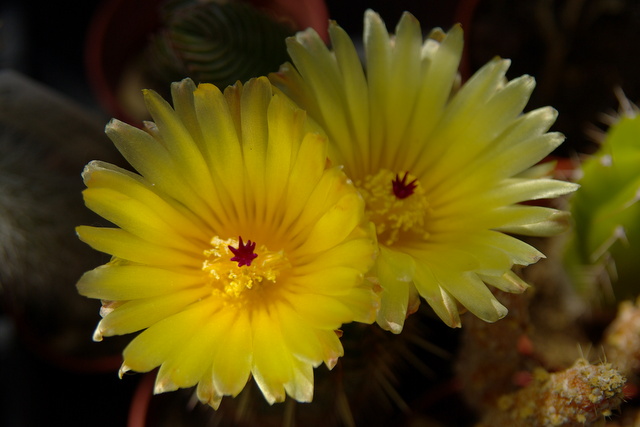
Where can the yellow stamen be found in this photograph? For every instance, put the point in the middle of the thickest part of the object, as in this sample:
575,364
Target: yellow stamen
228,279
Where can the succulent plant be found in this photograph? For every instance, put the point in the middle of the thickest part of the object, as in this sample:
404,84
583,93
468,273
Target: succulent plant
601,253
216,42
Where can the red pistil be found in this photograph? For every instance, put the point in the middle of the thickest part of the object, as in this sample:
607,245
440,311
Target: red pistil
401,188
244,253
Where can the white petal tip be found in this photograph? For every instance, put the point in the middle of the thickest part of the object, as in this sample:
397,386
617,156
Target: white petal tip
124,369
164,385
395,328
331,363
501,310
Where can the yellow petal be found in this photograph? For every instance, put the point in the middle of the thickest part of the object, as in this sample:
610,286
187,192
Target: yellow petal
183,150
473,294
152,347
357,253
135,217
152,160
306,171
271,358
103,175
532,220
234,356
206,392
335,225
508,282
431,98
125,282
395,271
354,84
125,245
439,299
224,152
517,190
300,387
296,333
186,365
139,314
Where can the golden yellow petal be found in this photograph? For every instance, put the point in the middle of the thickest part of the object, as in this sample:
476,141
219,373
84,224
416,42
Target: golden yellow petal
185,108
103,175
358,254
271,357
154,345
135,217
224,153
125,282
139,314
255,136
152,160
299,336
124,245
234,356
286,127
307,170
183,150
334,281
322,311
187,364
334,226
331,186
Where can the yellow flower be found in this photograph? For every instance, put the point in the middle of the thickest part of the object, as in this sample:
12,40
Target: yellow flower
238,250
442,170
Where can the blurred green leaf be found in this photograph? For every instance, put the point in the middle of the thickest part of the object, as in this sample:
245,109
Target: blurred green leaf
606,240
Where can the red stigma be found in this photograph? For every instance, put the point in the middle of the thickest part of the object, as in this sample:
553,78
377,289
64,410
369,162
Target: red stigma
244,253
401,188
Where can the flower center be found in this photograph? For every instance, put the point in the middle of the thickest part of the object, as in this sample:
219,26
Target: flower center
391,209
234,267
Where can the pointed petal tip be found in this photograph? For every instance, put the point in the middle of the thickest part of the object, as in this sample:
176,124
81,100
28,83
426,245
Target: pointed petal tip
303,37
501,311
124,369
97,334
164,385
331,362
395,328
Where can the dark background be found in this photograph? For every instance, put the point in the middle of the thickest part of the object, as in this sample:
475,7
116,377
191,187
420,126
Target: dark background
46,40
